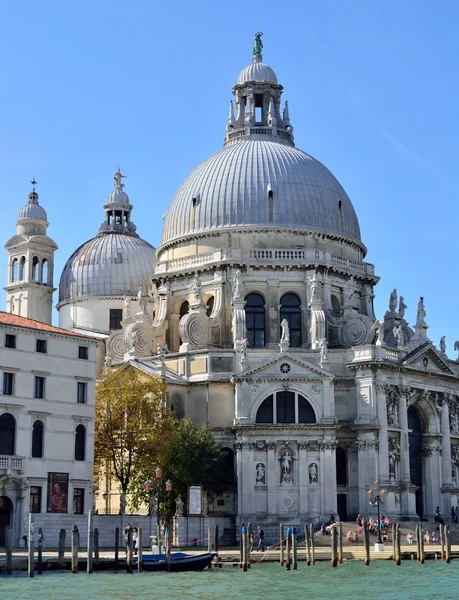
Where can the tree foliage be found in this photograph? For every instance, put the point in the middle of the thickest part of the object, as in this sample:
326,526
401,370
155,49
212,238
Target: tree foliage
135,432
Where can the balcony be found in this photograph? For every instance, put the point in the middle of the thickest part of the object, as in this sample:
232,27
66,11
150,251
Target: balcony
267,256
11,463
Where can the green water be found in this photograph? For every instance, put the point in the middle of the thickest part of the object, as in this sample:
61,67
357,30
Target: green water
351,580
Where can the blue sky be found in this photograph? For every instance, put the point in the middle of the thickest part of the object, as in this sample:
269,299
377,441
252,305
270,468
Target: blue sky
373,90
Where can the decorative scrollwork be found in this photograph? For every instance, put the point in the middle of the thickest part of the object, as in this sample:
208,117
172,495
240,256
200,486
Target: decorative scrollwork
355,332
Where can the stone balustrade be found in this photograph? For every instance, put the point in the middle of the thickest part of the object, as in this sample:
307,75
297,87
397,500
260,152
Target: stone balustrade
11,462
267,256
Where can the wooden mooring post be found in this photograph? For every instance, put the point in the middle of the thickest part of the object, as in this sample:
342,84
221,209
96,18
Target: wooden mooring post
442,540
366,544
61,551
249,544
308,545
117,546
216,536
75,549
9,549
140,551
334,546
294,550
447,544
340,542
288,549
96,548
421,545
209,539
31,541
397,545
90,545
281,544
245,548
394,537
40,551
311,537
129,551
168,536
418,534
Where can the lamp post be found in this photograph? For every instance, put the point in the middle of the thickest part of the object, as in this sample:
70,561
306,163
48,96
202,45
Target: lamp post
377,497
147,484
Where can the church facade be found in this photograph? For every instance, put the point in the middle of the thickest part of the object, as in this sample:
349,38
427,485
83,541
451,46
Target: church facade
257,309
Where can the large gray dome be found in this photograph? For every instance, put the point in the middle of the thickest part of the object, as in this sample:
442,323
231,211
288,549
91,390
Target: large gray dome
32,210
232,188
111,264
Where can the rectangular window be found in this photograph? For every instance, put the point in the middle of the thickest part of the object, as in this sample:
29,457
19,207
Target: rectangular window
83,352
39,387
82,392
8,384
116,316
10,341
78,501
41,346
35,499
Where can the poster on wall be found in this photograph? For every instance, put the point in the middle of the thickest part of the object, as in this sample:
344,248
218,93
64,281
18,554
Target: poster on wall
195,500
58,492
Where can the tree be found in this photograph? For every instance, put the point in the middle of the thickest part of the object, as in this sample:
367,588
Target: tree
132,422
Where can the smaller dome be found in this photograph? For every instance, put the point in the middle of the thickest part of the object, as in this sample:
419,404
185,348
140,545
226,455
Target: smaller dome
32,210
257,71
118,197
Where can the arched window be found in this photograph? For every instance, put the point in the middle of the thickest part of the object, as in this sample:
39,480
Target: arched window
37,439
22,268
341,467
290,310
184,308
80,442
305,411
336,304
7,434
255,320
265,413
44,271
285,407
210,305
35,268
14,270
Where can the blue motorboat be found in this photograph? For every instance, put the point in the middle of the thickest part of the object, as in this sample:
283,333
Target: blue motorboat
179,561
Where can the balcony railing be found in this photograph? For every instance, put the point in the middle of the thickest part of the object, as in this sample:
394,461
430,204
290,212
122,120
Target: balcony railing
11,462
268,256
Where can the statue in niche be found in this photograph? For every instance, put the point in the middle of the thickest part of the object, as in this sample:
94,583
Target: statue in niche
179,506
286,467
285,335
244,343
237,286
393,300
127,307
443,344
315,287
323,345
453,419
392,419
399,336
394,457
313,473
142,302
260,473
197,289
402,307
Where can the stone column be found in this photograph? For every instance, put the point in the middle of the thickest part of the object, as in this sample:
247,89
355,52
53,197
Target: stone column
272,478
328,472
446,446
383,452
367,445
303,478
405,395
240,487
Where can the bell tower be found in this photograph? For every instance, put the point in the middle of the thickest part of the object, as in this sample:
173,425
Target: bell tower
29,289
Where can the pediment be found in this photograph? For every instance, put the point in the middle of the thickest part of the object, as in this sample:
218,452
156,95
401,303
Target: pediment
285,366
427,358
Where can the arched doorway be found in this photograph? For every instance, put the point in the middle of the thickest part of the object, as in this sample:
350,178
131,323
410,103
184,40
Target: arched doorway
415,443
6,507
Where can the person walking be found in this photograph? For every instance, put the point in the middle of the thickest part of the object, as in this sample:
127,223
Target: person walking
260,537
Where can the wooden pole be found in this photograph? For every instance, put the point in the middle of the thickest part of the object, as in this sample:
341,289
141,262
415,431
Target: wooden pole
209,539
447,544
40,551
168,548
117,546
418,534
394,538
294,549
74,549
313,552
139,552
241,548
340,542
90,542
397,545
61,551
334,546
31,541
281,544
421,545
288,549
249,535
366,544
442,541
308,545
9,549
216,539
96,548
244,548
129,551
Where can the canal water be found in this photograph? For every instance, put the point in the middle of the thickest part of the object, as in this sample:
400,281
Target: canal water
434,580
